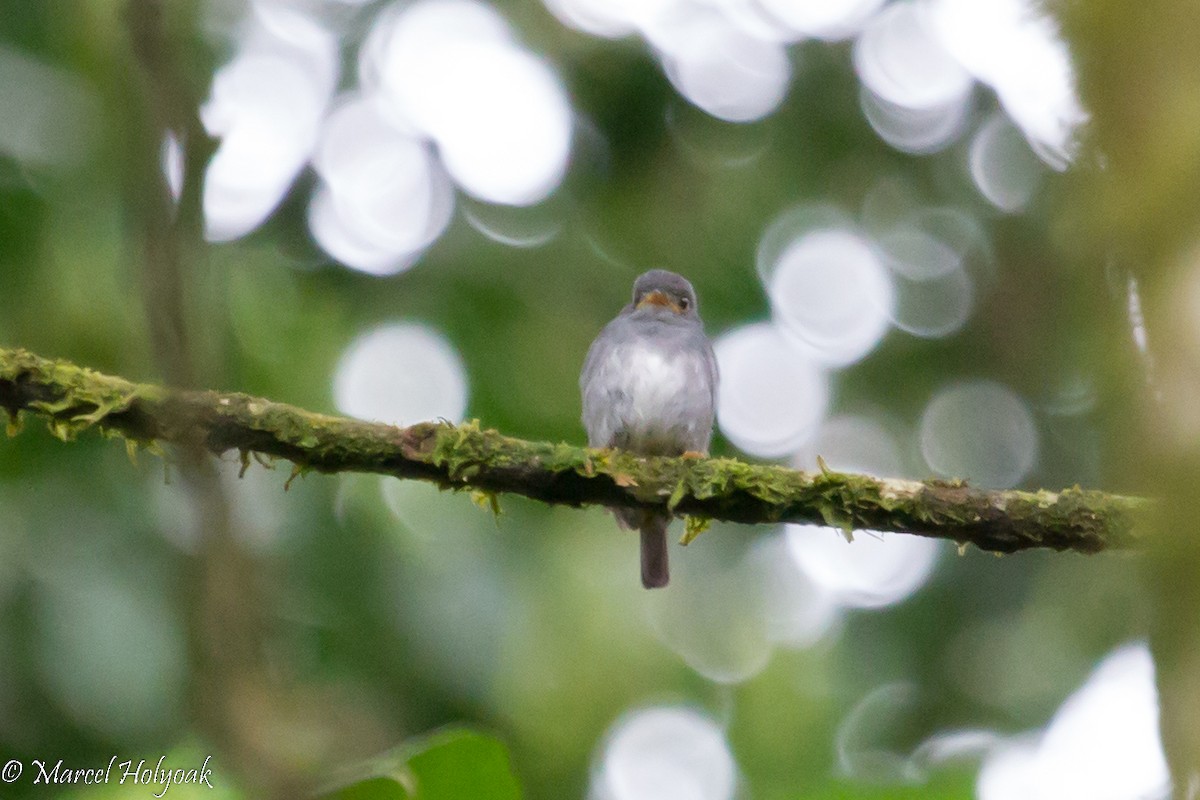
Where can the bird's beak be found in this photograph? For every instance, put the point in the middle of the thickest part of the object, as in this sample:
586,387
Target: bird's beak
658,298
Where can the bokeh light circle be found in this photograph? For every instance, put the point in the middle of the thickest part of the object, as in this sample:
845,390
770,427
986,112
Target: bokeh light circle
607,18
799,612
716,615
48,115
914,130
384,197
1013,46
499,115
1005,170
829,20
918,255
853,443
1102,744
132,644
771,397
266,106
900,60
872,571
666,753
935,307
830,292
401,374
407,40
934,293
505,131
981,431
721,69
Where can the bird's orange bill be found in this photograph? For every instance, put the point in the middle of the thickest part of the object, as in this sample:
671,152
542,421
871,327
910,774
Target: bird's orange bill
658,298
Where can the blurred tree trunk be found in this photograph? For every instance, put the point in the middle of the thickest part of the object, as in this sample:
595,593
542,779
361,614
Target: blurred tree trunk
232,699
1138,209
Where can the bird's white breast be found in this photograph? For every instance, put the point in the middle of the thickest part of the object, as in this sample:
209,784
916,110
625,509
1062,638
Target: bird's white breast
652,381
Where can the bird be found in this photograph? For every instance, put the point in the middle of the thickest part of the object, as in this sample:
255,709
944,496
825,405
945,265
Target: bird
649,386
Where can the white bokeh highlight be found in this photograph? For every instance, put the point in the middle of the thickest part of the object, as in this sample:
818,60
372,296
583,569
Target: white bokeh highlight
616,18
773,21
731,606
665,753
961,230
1012,46
914,130
829,291
830,20
514,226
446,96
401,374
853,443
865,743
915,94
981,431
799,612
900,60
266,105
459,629
1103,743
452,71
407,38
771,397
172,165
728,59
862,754
257,511
872,571
934,292
719,67
918,60
383,196
936,307
1005,170
918,255
717,622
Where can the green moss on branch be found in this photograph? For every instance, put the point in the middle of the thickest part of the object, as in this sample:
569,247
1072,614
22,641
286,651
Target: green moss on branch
73,399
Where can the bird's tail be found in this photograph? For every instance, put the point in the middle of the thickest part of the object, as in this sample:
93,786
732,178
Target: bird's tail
653,527
654,551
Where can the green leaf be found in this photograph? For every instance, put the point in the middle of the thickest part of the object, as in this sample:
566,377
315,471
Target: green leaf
694,526
381,788
677,495
460,763
447,765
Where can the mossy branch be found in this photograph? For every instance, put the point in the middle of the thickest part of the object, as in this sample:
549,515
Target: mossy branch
72,399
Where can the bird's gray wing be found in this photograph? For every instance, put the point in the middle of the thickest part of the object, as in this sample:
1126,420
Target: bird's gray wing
704,399
603,340
603,400
714,372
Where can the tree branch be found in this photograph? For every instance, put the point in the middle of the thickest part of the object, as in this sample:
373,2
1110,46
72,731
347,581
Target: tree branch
223,587
72,399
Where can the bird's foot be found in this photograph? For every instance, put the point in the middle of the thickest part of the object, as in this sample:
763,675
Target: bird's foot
693,454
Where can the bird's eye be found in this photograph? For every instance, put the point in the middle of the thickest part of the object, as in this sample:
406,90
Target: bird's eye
684,303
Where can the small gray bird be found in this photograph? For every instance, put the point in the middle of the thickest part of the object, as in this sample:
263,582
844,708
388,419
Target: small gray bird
650,387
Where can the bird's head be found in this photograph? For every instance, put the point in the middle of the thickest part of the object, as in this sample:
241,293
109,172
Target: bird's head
660,289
